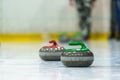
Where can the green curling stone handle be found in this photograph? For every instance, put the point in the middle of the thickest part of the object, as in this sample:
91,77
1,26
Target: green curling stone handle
83,47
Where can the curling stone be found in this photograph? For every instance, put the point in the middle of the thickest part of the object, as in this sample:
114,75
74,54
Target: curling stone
77,37
64,38
82,57
51,53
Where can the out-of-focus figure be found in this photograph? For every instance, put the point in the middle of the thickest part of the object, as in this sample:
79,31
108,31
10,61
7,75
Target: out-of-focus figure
84,8
114,18
118,10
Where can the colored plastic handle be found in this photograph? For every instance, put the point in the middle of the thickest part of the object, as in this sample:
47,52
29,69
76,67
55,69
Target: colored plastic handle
54,43
83,47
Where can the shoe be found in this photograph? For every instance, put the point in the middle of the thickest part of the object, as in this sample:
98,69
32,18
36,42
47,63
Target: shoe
111,37
118,38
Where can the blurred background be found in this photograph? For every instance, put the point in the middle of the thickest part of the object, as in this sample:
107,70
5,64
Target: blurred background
28,25
36,20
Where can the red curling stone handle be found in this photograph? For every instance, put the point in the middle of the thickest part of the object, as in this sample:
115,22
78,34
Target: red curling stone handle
54,43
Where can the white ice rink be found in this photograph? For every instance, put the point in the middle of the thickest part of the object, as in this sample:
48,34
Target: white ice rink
20,61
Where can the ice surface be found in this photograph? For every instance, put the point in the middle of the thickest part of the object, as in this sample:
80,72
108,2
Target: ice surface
20,61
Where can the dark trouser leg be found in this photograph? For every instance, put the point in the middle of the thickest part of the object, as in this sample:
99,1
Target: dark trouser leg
85,22
113,17
118,9
84,12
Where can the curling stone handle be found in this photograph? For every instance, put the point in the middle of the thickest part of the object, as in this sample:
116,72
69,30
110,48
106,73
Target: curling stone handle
83,47
53,42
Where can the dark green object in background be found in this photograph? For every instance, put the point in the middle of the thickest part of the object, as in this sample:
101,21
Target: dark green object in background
81,57
64,38
77,37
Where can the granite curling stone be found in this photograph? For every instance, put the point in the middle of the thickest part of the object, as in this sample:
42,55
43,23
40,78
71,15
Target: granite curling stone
77,37
51,53
82,57
63,38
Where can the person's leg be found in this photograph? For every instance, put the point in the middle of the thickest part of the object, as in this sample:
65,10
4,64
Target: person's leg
113,18
118,9
85,23
84,10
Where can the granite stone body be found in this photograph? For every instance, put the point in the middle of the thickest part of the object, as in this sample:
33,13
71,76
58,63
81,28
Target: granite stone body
51,53
77,59
80,57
